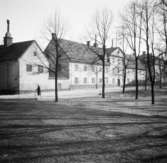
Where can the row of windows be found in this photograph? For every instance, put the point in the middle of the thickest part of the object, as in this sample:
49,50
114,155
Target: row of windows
93,81
116,60
92,68
85,80
29,68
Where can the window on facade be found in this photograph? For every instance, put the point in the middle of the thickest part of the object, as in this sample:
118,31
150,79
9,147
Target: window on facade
93,68
100,69
85,80
76,80
96,69
35,53
51,74
85,68
113,60
40,69
108,59
76,67
118,70
113,81
107,69
29,68
119,61
113,71
93,80
100,80
106,80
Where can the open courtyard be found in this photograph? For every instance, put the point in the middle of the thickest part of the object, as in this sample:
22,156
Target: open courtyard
84,130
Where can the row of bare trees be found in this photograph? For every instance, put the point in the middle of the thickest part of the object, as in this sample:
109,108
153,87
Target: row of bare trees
101,29
141,34
138,31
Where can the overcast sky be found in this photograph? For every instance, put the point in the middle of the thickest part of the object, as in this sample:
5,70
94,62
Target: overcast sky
28,16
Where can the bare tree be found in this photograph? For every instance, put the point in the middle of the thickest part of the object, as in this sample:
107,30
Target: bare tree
55,30
102,27
164,20
164,2
149,32
132,20
162,31
125,59
161,65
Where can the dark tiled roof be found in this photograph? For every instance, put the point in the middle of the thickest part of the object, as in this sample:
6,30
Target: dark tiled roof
143,59
78,52
131,63
14,51
112,49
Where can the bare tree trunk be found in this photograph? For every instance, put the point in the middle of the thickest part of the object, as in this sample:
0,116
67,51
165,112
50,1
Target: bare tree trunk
136,77
56,71
135,53
96,79
54,27
56,87
150,66
124,80
160,74
103,73
124,63
165,28
152,93
145,84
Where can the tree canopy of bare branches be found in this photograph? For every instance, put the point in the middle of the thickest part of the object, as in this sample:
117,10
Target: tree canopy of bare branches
101,28
54,30
132,21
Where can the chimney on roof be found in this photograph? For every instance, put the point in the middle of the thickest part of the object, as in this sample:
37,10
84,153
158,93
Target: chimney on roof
88,43
8,39
95,43
53,35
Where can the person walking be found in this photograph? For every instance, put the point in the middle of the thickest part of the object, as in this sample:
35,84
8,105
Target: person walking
38,91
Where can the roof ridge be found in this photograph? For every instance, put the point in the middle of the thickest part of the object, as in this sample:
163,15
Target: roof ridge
23,41
19,42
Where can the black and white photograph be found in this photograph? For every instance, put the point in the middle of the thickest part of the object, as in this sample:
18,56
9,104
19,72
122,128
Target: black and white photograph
83,81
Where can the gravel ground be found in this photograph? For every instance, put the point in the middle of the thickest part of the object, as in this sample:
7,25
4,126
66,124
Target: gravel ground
84,130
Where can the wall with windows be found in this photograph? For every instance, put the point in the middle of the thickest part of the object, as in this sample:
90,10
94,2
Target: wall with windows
130,77
86,75
32,70
116,69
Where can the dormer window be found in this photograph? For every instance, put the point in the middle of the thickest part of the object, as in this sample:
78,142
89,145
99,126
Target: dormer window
35,53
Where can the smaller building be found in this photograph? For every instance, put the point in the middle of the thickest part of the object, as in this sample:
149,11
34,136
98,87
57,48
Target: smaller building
22,65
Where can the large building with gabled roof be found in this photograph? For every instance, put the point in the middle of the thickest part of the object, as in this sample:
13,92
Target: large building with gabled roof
81,67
